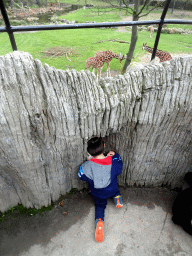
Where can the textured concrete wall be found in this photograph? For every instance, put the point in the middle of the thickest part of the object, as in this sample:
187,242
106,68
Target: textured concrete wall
47,116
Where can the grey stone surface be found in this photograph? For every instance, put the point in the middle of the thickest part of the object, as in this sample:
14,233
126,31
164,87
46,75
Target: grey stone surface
142,227
47,116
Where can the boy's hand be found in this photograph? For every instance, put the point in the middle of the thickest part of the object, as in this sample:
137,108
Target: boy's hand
111,153
89,157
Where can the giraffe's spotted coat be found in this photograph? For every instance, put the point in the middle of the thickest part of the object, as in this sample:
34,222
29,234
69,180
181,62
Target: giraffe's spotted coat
107,56
162,55
95,63
100,58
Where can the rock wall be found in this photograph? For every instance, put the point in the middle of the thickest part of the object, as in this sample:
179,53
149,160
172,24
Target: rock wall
47,116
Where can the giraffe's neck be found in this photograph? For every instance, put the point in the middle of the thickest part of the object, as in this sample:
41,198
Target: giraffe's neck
149,49
108,55
116,56
163,56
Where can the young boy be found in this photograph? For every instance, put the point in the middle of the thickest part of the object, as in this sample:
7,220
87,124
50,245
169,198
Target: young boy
101,173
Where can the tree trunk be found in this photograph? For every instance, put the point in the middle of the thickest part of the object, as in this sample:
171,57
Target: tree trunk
173,6
134,37
12,5
47,116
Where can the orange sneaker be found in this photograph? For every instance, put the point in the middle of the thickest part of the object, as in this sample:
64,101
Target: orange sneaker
99,236
118,201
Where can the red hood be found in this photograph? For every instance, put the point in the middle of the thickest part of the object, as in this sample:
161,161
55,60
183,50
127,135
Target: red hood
106,161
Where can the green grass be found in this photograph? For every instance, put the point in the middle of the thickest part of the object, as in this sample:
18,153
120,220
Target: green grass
83,15
81,2
20,209
180,26
73,191
82,42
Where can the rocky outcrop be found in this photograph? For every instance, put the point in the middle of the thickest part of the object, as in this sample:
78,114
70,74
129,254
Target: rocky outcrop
47,116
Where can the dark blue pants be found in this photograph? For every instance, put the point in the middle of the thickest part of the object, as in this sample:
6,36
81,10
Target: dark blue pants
100,205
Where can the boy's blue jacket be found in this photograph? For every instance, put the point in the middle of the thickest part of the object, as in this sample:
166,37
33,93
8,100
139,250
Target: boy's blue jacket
101,174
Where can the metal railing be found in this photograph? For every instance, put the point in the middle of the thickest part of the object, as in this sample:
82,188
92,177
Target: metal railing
11,29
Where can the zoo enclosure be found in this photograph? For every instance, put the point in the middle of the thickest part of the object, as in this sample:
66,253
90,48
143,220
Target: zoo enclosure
11,29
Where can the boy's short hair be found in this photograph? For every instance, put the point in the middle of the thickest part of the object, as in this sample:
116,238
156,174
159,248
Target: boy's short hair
95,146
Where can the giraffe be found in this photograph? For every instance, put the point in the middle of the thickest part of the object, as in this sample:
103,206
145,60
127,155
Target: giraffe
163,56
151,30
95,63
107,56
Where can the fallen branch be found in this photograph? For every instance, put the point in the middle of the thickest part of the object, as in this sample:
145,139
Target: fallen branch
67,57
53,56
113,40
21,7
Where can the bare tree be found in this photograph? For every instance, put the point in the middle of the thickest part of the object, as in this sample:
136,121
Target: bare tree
21,3
136,10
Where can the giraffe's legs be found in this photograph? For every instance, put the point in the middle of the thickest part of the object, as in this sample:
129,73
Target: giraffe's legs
108,69
99,72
